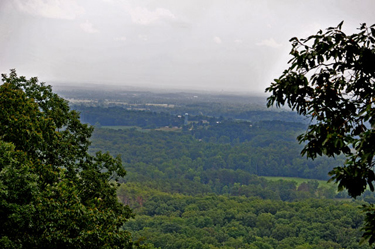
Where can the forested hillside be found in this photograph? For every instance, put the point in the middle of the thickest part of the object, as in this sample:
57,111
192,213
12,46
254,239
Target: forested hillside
266,148
200,185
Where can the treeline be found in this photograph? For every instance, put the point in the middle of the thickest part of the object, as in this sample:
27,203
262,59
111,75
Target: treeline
209,128
260,134
153,116
168,155
116,116
232,183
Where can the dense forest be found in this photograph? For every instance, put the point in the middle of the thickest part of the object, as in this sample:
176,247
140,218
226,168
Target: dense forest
212,221
175,155
205,145
202,185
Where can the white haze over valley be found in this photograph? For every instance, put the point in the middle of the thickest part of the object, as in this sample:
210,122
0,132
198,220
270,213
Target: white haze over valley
214,45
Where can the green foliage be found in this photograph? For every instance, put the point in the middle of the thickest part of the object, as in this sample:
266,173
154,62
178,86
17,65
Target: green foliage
331,80
267,149
53,193
115,116
211,221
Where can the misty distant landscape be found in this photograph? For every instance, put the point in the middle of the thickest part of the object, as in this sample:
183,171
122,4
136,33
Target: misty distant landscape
231,175
200,124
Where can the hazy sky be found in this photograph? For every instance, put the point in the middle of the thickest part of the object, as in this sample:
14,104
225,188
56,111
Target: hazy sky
221,45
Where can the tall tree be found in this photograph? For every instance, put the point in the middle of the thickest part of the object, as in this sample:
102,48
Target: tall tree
331,80
53,193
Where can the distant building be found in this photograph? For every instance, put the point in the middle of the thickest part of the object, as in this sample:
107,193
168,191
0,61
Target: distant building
186,120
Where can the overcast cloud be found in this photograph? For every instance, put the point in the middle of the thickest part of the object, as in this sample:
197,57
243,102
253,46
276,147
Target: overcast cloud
218,45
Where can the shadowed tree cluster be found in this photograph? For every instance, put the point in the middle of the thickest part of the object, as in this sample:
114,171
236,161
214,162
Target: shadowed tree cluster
53,193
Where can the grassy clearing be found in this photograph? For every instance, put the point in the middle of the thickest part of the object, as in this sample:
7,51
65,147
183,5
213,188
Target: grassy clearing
169,129
124,127
322,183
119,127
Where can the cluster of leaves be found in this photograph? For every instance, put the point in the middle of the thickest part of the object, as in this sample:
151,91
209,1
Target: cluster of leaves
258,187
53,193
331,80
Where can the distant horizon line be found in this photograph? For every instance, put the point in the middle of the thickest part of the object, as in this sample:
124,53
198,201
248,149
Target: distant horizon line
165,89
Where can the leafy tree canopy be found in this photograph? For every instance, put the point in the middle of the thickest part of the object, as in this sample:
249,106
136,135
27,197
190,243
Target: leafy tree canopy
331,80
53,193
